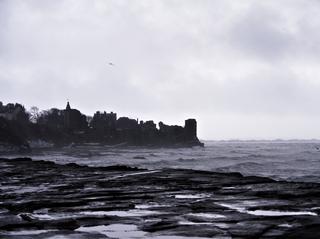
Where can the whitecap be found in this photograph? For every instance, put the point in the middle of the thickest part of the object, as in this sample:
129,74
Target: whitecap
134,174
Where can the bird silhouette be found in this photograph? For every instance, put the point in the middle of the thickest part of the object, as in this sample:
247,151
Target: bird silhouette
111,64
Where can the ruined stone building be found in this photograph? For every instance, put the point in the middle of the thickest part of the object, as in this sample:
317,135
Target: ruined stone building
190,130
104,121
74,120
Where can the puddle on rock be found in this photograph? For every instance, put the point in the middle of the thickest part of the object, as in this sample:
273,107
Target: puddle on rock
271,213
151,205
45,216
285,225
130,213
267,213
192,196
207,215
188,223
122,231
26,232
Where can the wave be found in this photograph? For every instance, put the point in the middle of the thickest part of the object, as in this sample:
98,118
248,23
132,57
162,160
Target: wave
247,169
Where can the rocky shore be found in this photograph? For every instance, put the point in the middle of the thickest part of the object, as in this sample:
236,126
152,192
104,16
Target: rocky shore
40,199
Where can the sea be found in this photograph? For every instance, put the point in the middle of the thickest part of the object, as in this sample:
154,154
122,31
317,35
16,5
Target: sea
293,160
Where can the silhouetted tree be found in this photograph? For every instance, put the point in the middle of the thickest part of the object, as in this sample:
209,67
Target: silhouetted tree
53,118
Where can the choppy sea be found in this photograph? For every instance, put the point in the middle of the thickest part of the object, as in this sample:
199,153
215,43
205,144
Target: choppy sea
288,160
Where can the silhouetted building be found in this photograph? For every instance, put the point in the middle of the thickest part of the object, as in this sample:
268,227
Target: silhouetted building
190,129
148,125
69,125
149,132
171,133
104,121
126,123
74,120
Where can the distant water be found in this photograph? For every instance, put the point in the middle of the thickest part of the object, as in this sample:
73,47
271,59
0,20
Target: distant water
289,160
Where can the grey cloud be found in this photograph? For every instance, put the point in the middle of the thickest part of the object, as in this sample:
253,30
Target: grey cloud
278,31
262,32
213,60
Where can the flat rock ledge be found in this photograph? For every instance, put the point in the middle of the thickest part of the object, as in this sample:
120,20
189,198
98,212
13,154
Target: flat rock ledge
40,199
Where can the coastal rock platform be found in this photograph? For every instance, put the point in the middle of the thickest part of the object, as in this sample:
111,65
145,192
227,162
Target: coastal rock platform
41,199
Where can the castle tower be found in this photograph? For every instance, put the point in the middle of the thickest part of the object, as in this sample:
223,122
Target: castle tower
190,129
68,106
67,116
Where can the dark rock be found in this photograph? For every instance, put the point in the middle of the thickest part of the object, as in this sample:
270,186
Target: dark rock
308,231
38,195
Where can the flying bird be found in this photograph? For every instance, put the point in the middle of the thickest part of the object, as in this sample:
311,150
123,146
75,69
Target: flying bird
111,64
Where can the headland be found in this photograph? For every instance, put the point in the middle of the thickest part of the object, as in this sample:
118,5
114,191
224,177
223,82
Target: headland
61,127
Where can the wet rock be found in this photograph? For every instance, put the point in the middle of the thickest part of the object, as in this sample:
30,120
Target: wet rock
308,231
39,199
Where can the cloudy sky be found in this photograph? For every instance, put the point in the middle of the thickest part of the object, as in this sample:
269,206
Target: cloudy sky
244,69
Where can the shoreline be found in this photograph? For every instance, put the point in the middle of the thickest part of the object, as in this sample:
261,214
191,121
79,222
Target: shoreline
30,155
91,202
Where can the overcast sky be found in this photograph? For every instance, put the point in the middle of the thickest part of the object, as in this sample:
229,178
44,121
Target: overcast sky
244,69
